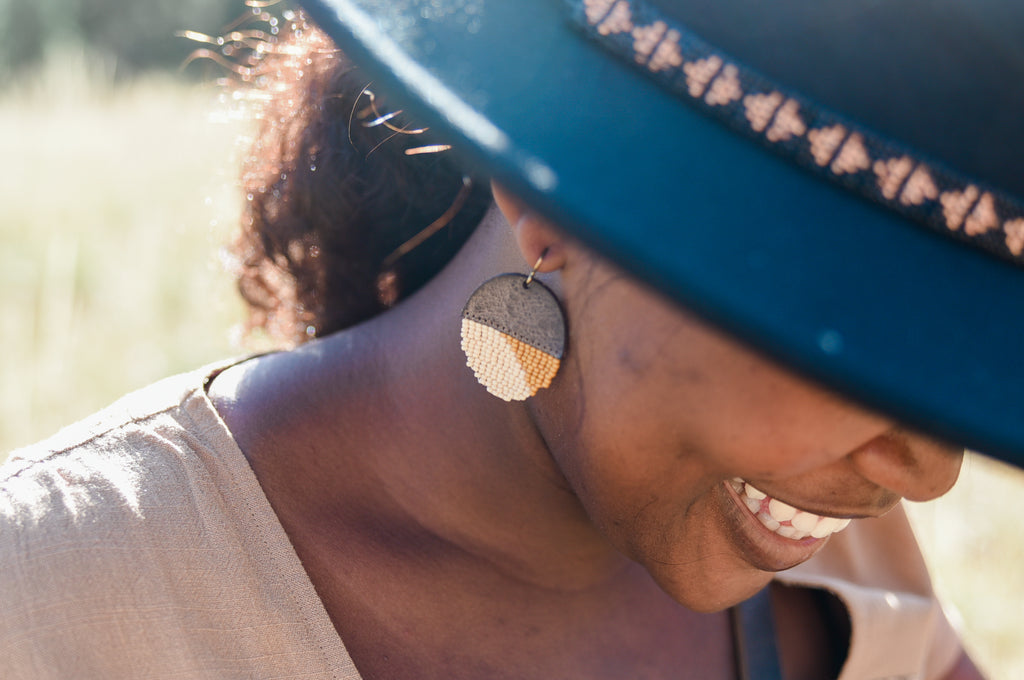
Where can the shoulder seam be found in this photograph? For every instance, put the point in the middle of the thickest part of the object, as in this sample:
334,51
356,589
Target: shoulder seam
30,464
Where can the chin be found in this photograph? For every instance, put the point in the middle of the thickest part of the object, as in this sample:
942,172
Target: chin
707,593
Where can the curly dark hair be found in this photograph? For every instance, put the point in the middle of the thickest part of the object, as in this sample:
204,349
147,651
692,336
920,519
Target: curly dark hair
333,193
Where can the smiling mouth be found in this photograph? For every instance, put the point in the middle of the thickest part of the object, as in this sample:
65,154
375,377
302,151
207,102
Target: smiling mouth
783,519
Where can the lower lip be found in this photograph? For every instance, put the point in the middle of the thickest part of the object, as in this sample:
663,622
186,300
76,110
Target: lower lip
763,548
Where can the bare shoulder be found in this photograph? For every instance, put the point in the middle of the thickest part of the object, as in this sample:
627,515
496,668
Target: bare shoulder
266,400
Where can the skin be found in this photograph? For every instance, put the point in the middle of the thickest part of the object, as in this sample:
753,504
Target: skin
560,535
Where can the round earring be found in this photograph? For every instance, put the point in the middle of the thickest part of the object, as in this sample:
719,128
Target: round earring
513,334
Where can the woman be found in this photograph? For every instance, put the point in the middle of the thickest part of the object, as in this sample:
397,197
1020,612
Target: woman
363,507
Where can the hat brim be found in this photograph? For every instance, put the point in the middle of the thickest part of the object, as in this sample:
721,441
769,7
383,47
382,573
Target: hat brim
903,319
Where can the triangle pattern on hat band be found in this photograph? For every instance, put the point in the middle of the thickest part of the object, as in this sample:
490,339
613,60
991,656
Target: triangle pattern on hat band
790,125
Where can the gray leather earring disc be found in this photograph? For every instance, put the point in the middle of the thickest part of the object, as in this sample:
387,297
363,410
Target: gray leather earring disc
530,314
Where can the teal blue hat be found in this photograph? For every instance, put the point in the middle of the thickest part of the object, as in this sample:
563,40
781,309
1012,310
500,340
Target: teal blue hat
840,184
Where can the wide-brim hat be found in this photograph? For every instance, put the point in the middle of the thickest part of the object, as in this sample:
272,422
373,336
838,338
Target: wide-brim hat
840,184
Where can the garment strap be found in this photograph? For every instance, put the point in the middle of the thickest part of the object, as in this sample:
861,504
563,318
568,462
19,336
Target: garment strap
757,652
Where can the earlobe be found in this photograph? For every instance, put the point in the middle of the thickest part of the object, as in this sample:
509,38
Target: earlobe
534,234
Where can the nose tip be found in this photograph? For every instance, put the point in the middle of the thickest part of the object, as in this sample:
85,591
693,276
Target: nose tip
914,466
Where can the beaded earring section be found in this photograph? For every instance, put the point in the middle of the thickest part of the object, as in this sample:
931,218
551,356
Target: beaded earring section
513,335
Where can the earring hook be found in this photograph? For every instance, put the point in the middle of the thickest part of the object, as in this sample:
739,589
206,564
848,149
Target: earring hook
536,266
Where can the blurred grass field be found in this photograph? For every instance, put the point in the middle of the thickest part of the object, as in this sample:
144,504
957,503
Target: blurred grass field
115,202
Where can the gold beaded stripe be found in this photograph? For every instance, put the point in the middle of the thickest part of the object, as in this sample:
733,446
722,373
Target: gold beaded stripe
509,368
807,134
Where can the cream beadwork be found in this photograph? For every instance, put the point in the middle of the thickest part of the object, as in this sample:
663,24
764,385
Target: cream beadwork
509,368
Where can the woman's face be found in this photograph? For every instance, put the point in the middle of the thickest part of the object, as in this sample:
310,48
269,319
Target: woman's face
677,439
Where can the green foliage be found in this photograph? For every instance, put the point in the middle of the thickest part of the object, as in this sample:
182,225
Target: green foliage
129,35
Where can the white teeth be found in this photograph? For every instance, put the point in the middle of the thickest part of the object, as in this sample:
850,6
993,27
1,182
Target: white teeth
805,521
753,493
788,532
782,518
781,511
826,526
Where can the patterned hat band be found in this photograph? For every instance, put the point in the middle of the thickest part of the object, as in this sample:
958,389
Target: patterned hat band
791,126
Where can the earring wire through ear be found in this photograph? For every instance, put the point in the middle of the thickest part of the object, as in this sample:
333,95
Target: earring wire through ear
536,266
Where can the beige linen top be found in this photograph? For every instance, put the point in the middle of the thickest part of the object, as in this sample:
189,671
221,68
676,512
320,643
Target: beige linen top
138,544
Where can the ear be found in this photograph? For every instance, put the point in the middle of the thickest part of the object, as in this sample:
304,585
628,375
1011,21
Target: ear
534,235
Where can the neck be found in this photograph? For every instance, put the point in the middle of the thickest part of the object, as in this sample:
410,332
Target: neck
488,482
444,454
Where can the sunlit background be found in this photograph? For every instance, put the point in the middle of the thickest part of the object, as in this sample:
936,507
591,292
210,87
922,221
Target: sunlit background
118,191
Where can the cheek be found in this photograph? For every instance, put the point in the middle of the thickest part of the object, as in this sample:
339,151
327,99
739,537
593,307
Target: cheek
650,448
773,431
663,382
743,416
700,415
